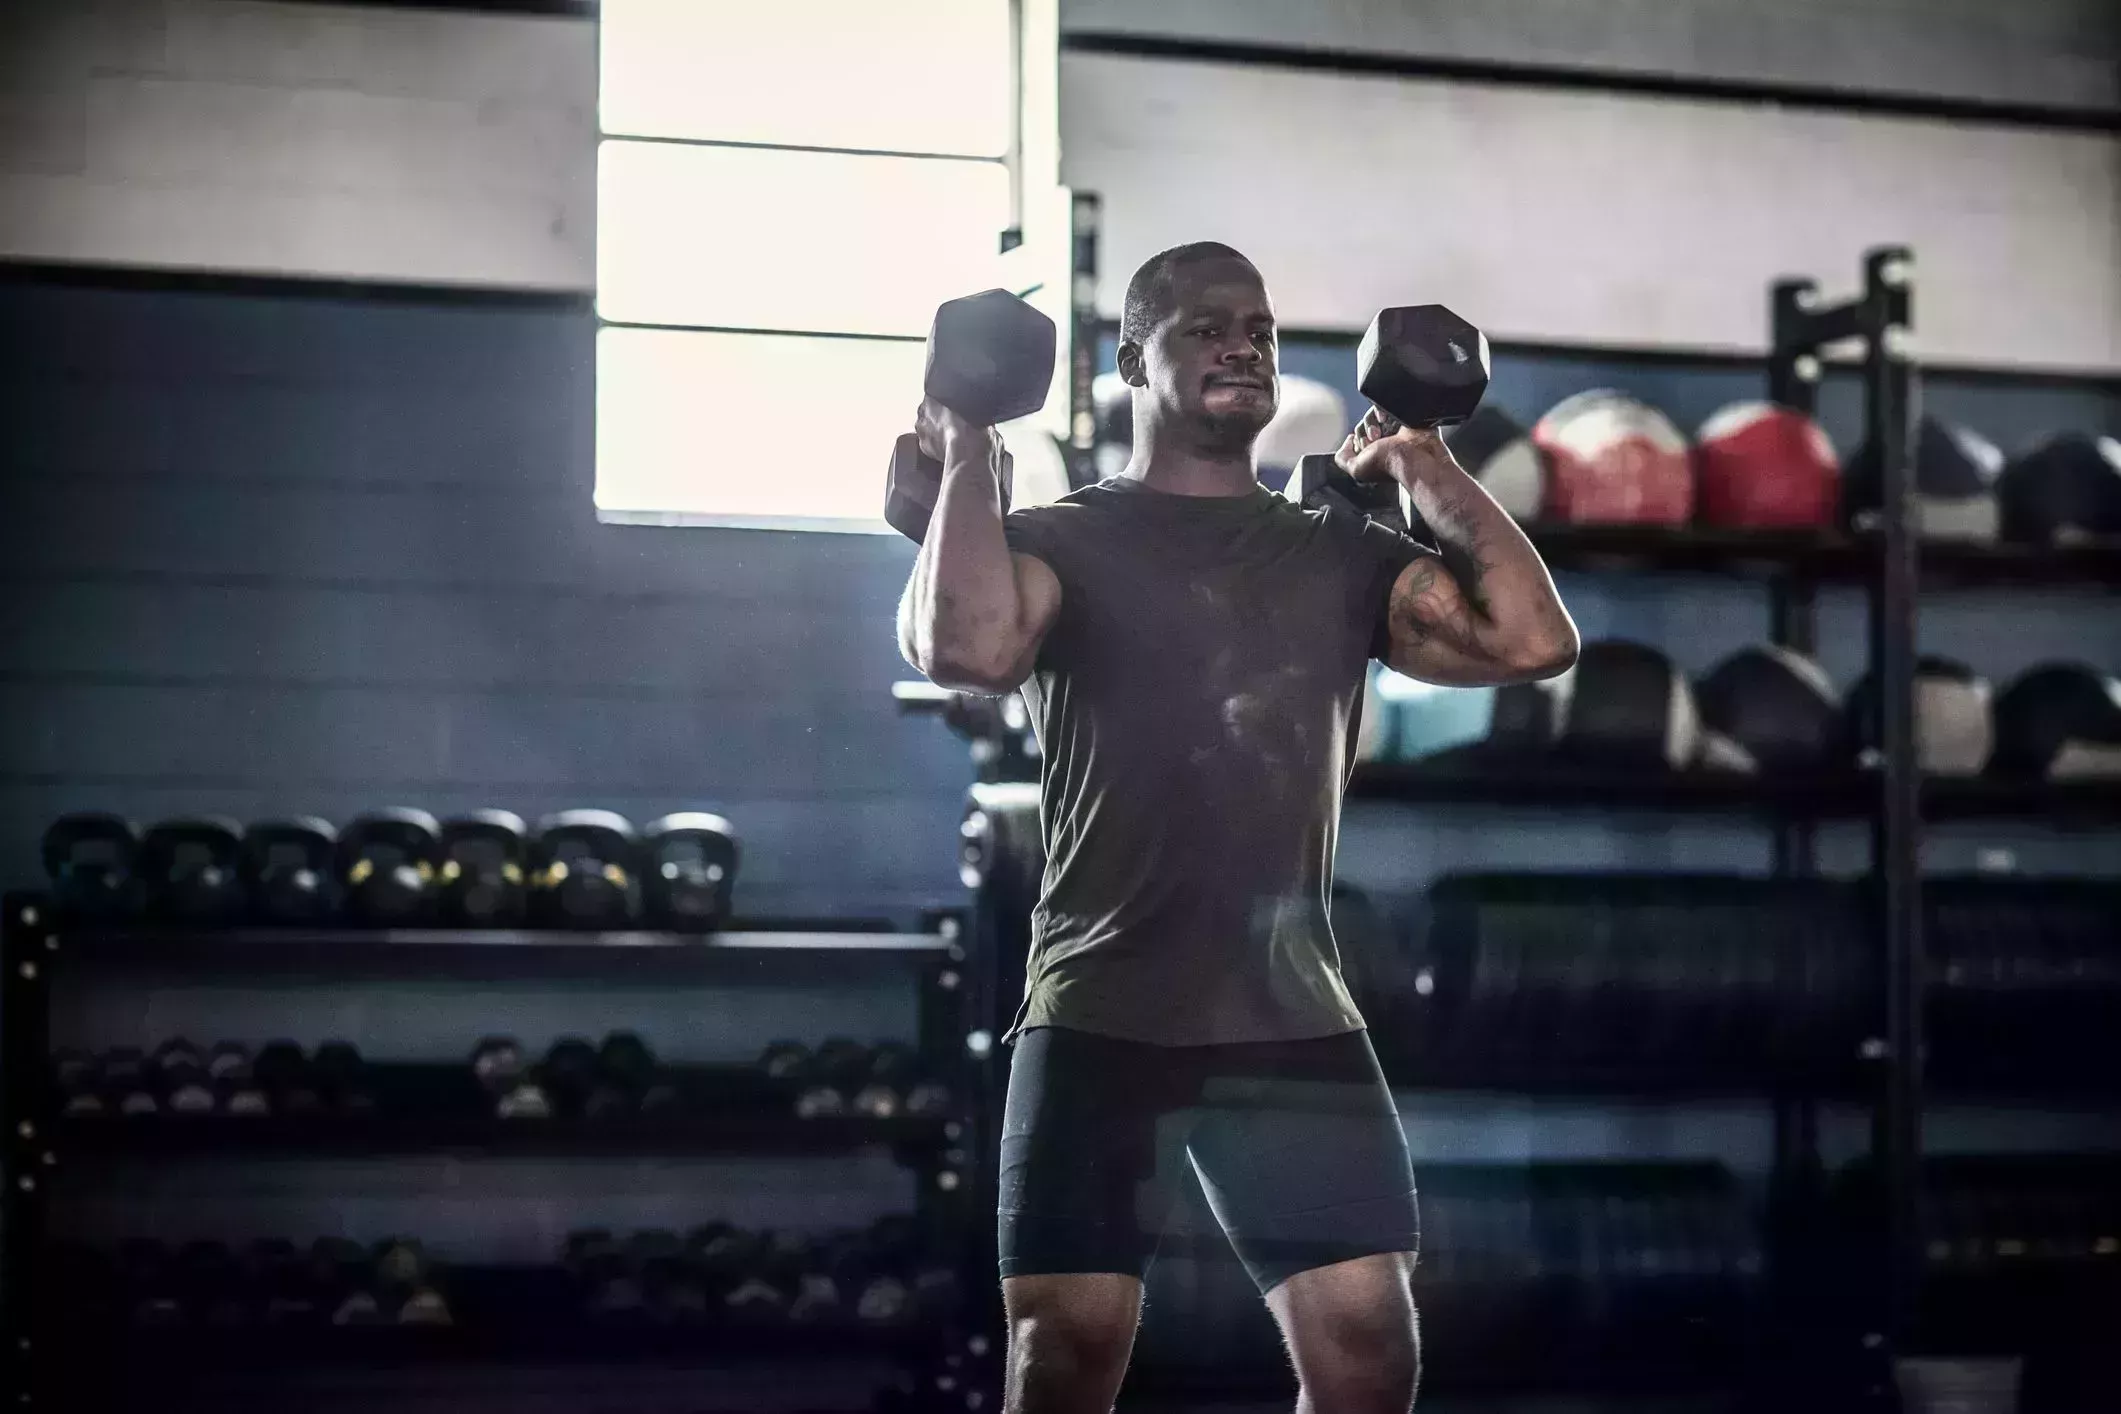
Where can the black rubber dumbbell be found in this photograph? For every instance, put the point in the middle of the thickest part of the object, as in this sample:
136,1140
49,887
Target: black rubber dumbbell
129,1084
189,870
585,871
288,872
181,1081
77,1077
236,1089
283,1072
342,1079
569,1075
990,360
691,862
497,1064
1424,367
482,875
89,857
387,862
626,1070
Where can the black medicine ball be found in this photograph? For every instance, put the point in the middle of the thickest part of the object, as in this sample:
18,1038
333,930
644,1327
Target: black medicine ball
2059,721
1776,706
2067,488
1630,707
1955,470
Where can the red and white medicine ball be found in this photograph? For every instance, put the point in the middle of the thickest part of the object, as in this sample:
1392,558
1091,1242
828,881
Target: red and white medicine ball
1613,460
1758,465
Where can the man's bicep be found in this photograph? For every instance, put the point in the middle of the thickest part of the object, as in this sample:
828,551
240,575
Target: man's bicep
1429,630
1038,599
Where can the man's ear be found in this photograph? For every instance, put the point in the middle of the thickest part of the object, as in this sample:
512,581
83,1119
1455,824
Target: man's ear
1130,365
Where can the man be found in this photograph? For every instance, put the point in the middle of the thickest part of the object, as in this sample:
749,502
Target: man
1193,649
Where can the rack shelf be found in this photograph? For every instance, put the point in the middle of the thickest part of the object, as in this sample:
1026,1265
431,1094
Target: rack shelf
1828,556
440,1108
1460,778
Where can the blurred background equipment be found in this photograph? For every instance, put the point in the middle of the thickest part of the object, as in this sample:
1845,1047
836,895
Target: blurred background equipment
1613,459
1775,706
1955,475
1759,466
289,871
2064,491
89,858
1498,452
585,871
2059,721
190,870
1953,729
387,861
481,877
692,859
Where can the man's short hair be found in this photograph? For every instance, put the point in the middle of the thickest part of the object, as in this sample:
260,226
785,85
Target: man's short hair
1150,294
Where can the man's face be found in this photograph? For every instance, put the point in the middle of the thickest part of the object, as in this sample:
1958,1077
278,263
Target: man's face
1210,365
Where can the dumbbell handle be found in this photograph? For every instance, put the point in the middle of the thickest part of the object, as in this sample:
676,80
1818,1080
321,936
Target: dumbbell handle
916,480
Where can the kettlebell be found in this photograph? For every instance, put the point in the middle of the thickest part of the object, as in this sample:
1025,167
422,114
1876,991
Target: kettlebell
189,868
585,871
89,856
288,869
692,858
481,877
387,866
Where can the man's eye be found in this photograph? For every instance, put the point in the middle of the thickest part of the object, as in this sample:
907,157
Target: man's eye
1206,330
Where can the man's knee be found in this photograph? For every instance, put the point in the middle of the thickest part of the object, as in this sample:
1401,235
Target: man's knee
1069,1339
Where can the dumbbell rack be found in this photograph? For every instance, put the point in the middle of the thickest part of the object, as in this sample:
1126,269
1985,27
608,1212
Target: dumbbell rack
938,1365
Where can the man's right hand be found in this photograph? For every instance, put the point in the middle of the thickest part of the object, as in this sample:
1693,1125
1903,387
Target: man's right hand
938,428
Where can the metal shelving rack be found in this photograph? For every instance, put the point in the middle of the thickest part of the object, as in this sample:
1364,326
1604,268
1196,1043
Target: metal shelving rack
38,947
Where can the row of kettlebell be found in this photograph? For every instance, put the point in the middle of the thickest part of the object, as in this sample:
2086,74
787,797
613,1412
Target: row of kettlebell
397,868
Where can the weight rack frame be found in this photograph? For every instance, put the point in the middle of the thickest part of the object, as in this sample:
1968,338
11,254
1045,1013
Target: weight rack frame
34,939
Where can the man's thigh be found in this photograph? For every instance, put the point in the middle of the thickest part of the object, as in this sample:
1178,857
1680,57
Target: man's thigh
1085,1120
1300,1151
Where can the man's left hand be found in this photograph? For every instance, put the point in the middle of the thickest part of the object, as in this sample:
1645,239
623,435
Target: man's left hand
1381,449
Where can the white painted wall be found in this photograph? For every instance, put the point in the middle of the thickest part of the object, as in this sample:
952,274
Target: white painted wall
1596,218
2059,53
442,147
365,144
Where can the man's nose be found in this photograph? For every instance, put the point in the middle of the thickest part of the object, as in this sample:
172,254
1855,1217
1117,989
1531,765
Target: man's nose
1246,353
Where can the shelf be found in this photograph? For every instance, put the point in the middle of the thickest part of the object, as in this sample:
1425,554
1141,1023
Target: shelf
1595,549
2086,802
1974,565
475,954
1813,554
440,1109
1460,778
306,1349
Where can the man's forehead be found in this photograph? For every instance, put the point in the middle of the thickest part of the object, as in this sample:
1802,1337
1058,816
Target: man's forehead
1220,284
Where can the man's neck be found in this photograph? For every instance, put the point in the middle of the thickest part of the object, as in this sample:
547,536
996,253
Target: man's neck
1185,471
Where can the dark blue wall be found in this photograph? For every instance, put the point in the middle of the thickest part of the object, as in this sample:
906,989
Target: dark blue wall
271,553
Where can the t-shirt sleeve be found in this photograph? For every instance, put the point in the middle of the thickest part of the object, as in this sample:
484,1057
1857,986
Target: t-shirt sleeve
1381,553
1031,533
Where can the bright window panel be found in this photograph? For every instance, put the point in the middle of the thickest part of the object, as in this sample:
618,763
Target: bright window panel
748,238
878,75
750,429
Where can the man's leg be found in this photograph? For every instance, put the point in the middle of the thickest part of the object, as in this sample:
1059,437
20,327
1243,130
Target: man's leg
1077,1211
1353,1334
1300,1150
1069,1340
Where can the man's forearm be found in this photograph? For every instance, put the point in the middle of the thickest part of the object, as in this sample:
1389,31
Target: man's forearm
1517,613
963,600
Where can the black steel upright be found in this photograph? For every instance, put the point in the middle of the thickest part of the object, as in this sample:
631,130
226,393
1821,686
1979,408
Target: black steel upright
1882,318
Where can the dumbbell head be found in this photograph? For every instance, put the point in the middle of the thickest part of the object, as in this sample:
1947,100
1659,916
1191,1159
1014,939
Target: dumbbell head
692,860
1423,364
387,863
990,358
189,868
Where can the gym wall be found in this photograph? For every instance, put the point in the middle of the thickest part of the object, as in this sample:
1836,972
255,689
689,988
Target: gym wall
415,146
2049,53
1658,224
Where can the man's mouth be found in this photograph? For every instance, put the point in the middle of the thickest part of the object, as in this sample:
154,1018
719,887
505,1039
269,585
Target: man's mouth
1254,384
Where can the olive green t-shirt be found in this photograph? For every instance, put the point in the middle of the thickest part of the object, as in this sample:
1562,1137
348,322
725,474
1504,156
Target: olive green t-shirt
1196,704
